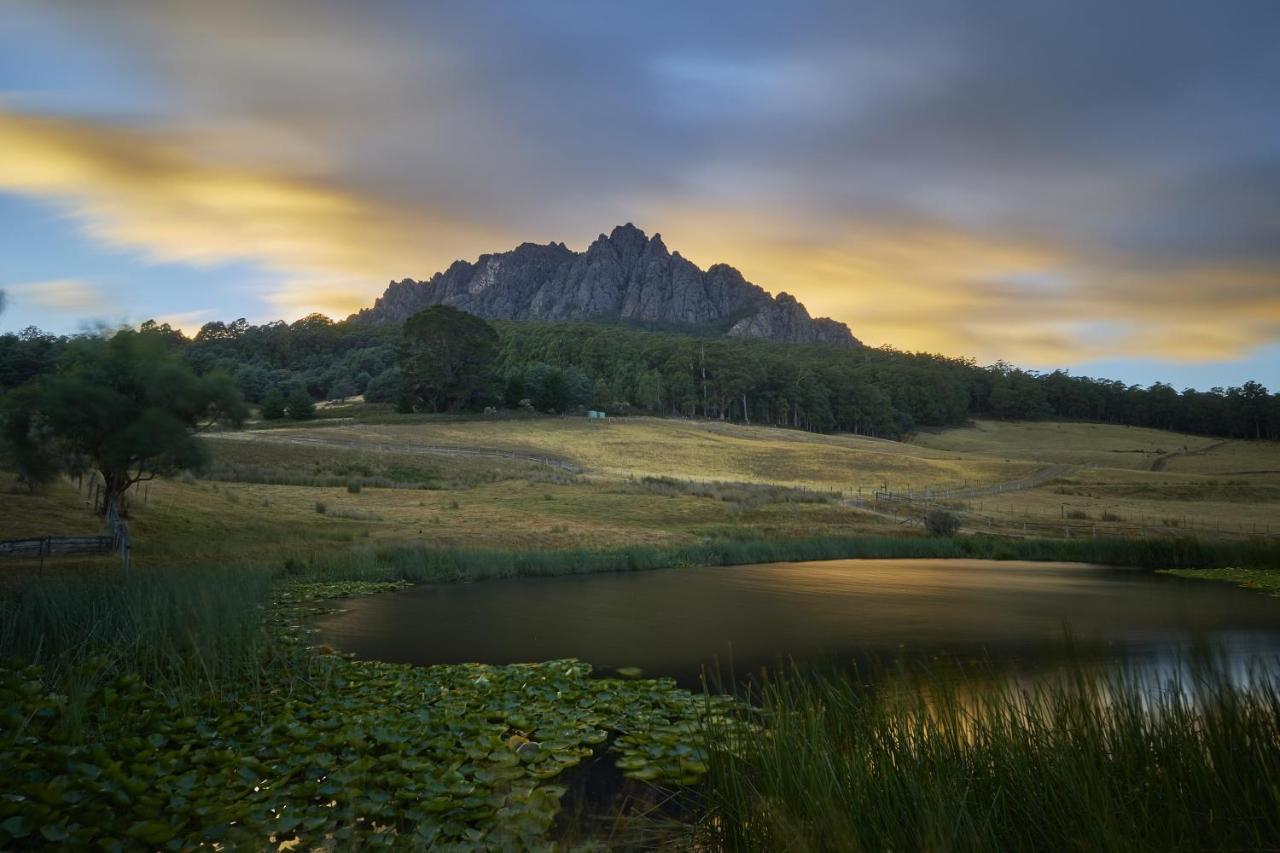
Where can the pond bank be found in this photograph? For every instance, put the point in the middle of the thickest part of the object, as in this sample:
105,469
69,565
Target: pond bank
425,563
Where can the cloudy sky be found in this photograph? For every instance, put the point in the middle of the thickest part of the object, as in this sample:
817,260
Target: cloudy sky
1093,185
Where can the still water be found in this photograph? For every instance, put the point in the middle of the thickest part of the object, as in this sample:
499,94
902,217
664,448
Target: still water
674,621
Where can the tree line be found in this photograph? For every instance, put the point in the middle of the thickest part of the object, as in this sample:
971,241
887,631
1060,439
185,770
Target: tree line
443,359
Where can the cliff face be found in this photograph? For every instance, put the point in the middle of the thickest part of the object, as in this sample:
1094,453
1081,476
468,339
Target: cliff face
625,276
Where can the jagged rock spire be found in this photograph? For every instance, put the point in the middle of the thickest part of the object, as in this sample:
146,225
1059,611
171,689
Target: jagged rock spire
624,276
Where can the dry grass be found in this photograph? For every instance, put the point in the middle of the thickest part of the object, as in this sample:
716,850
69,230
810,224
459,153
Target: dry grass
1255,461
696,450
1105,445
746,474
202,522
1194,504
262,457
1230,487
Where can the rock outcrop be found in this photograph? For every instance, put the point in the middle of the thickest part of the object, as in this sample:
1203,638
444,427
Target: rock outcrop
623,277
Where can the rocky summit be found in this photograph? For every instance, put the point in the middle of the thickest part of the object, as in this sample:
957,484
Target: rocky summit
623,277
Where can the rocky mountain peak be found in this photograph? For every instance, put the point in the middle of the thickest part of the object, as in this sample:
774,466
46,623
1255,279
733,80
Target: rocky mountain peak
625,276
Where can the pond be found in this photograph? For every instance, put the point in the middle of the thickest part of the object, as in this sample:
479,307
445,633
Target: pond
674,622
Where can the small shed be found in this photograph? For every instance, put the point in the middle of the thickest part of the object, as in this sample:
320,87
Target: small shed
594,415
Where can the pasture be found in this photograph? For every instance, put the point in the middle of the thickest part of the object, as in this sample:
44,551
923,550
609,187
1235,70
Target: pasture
305,493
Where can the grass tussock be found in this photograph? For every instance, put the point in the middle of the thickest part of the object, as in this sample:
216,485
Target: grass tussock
1090,762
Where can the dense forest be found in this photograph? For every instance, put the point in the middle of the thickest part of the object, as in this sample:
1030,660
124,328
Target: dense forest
565,366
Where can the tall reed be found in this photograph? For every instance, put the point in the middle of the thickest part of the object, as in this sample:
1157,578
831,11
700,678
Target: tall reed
190,630
1092,761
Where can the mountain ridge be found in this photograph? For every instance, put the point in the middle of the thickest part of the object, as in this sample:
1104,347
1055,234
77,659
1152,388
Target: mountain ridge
623,276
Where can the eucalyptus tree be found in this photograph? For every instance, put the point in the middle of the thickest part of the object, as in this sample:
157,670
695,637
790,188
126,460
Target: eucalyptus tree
447,357
125,406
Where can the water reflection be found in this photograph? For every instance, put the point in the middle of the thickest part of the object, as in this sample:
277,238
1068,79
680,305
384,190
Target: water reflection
674,622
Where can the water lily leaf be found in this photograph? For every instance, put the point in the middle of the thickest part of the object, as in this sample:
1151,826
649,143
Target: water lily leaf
18,826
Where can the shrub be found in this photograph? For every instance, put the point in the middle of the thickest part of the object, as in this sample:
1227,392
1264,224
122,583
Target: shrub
300,406
353,487
321,508
273,405
939,522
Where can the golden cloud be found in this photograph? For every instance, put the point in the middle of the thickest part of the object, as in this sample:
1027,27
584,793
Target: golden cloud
922,287
61,296
333,250
912,285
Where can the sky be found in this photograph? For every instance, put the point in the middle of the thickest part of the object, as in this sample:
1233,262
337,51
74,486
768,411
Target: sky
1085,185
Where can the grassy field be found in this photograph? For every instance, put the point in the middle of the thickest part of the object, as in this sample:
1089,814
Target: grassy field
696,450
207,522
1127,478
1103,445
305,493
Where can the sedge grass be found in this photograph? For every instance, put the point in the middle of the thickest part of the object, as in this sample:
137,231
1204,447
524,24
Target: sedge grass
196,632
1092,761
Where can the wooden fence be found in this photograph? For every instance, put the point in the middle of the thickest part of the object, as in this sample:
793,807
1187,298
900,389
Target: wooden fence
115,540
56,546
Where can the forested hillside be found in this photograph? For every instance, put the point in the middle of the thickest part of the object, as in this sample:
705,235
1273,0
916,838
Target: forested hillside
565,366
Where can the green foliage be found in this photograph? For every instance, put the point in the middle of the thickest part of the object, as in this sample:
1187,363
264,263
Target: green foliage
26,446
27,355
939,522
282,741
126,406
300,405
273,405
447,357
385,387
879,392
1087,761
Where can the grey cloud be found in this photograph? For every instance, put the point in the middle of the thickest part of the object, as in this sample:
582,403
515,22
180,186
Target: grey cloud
1139,135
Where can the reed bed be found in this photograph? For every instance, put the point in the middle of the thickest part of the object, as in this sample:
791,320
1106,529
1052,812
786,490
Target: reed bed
1090,761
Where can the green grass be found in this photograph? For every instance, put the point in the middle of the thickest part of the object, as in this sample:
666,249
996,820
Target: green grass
182,634
1090,762
1263,580
426,564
